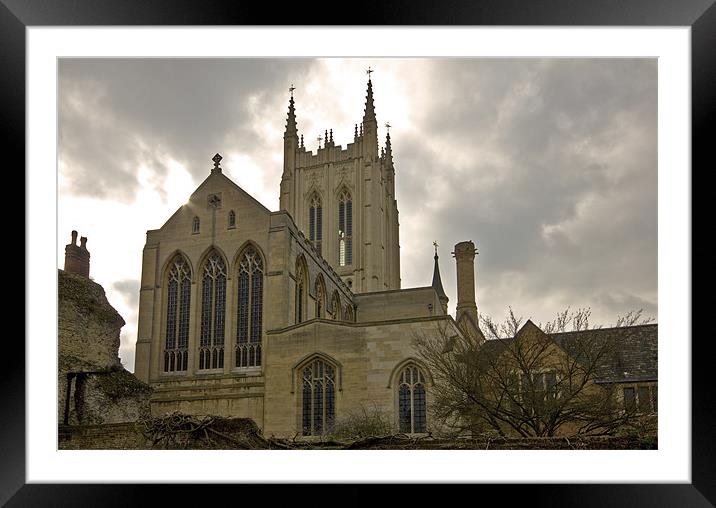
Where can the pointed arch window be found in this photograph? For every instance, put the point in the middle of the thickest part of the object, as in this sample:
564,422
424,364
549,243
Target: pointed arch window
249,320
195,225
300,291
348,314
213,312
345,228
176,338
336,306
315,222
318,401
411,400
320,298
232,219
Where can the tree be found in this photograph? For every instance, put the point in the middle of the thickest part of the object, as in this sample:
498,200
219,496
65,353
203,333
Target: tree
526,384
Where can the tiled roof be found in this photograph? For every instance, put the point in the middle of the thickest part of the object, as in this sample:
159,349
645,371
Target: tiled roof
634,357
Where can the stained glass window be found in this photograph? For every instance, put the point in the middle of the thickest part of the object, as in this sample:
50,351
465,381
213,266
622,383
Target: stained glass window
213,313
412,414
177,324
250,310
318,405
345,228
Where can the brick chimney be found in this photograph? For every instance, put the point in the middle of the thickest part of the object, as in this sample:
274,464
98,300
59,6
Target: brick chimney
77,257
465,260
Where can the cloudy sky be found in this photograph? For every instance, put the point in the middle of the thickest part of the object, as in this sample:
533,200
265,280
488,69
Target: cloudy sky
549,166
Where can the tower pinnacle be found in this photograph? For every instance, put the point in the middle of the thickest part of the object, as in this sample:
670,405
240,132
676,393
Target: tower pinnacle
369,106
437,281
291,128
388,147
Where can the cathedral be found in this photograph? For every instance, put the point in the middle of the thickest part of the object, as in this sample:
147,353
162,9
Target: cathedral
294,318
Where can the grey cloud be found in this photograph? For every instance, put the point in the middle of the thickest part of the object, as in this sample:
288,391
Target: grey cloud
118,113
129,289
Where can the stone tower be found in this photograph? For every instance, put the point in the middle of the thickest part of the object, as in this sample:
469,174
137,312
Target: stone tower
343,199
466,311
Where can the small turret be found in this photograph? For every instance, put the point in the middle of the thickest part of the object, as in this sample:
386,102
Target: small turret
438,283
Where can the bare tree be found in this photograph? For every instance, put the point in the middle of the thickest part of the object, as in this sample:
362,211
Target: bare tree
524,384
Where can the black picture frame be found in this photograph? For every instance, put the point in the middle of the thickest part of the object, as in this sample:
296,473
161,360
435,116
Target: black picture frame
700,15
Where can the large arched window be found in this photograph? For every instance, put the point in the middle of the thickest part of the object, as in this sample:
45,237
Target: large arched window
315,222
320,297
250,309
178,304
318,401
411,400
213,312
345,228
301,288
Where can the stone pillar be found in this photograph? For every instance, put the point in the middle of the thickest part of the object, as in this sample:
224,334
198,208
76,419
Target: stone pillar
77,257
465,260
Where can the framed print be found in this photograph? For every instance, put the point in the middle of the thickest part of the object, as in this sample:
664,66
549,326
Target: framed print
333,278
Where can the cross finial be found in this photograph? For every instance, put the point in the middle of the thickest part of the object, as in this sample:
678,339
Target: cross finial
217,159
291,89
435,244
369,72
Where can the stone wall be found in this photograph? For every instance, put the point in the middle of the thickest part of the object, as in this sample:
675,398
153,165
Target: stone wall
93,387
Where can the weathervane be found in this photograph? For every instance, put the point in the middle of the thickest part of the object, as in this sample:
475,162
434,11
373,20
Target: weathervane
387,126
435,244
291,89
369,71
320,138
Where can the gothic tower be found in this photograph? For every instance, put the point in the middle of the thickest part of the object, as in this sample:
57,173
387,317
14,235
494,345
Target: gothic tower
343,199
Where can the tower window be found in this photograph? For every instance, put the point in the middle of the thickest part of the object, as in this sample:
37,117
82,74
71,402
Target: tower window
250,310
315,222
345,229
232,219
213,313
177,327
195,225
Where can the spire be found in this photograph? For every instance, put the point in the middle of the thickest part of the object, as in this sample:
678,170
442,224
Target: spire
291,128
388,147
437,281
369,107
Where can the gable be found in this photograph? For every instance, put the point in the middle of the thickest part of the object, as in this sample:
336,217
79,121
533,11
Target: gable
226,196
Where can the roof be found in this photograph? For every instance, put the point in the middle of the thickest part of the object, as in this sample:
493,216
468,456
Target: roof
634,358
